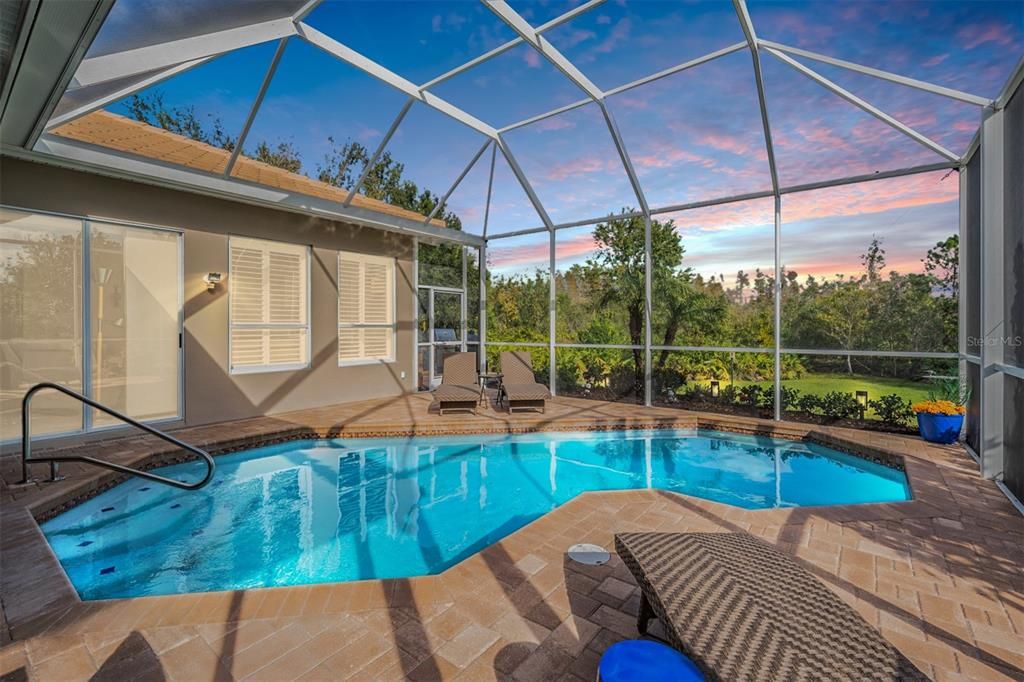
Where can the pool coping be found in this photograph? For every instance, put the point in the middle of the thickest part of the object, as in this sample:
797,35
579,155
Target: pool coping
38,596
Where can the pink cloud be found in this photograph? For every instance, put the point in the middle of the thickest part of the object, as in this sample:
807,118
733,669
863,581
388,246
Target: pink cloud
556,123
866,198
973,35
580,166
936,60
830,268
535,254
871,197
727,143
669,156
618,34
532,59
795,23
574,38
575,247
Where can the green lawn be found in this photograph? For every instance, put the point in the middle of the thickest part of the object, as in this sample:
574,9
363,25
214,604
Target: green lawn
820,384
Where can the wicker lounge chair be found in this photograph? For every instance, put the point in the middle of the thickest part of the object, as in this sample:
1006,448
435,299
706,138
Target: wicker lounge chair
518,384
460,384
742,610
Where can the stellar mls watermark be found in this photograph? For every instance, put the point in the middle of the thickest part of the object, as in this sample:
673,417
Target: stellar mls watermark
992,341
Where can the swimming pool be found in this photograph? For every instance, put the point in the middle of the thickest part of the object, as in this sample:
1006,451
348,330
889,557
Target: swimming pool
335,510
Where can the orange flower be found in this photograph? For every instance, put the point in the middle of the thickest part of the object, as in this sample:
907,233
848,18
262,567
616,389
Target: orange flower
945,407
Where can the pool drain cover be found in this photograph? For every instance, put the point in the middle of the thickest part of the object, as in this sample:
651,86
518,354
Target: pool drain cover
592,555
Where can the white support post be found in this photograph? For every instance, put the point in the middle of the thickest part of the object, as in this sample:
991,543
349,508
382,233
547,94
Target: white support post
777,310
878,73
415,314
885,118
141,60
993,285
525,184
505,47
490,186
264,86
465,171
748,31
465,293
965,275
544,47
372,161
372,68
552,314
648,307
628,86
482,360
120,93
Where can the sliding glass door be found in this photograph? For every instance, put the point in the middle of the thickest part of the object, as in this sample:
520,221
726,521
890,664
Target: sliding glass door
134,321
95,307
441,329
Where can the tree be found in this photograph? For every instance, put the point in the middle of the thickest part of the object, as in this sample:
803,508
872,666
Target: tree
282,155
150,109
620,265
942,264
742,282
874,260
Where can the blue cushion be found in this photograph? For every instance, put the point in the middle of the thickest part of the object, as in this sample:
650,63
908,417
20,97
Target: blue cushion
647,661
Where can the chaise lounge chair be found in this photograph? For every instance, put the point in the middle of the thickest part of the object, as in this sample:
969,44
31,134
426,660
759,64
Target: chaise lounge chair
518,384
460,384
742,610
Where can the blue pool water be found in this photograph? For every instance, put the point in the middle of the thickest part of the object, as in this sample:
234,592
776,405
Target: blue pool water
327,511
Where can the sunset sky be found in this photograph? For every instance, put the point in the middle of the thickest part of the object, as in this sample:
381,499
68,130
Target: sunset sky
693,136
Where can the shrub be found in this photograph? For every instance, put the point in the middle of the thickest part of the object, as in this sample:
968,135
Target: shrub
750,395
730,394
809,403
839,405
790,397
892,409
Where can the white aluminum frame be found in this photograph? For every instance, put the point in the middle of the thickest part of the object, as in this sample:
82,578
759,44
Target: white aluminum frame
161,61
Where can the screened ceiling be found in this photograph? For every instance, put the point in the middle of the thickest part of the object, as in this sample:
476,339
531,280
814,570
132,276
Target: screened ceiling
527,116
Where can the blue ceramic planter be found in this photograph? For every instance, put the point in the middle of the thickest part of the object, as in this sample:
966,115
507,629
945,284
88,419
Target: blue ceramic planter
940,428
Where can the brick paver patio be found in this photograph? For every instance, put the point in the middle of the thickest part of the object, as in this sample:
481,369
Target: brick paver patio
941,576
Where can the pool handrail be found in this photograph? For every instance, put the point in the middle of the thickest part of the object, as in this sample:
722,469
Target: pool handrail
26,443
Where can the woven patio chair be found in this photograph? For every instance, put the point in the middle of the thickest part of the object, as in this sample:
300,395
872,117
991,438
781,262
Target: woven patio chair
460,384
519,385
742,610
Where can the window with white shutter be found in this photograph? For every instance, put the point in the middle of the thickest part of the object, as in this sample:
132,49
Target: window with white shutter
366,309
269,286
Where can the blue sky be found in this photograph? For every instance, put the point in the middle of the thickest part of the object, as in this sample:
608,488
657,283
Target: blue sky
693,136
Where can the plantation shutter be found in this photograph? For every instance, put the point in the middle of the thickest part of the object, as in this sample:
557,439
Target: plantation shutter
366,308
269,304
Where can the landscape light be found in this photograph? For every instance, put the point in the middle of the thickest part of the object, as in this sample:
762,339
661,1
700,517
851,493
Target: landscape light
714,389
862,401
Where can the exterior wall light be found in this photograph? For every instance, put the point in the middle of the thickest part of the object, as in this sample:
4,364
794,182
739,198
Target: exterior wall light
714,389
212,279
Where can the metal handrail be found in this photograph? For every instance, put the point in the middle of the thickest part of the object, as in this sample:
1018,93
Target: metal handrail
26,443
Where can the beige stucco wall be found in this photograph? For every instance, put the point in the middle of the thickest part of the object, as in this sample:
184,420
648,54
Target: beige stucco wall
211,393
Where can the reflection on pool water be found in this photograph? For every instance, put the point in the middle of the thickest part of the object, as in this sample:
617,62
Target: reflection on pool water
328,511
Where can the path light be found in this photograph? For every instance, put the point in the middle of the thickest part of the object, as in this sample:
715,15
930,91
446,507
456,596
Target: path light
714,390
862,401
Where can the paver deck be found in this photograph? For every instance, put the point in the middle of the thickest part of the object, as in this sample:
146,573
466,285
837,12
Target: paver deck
941,576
